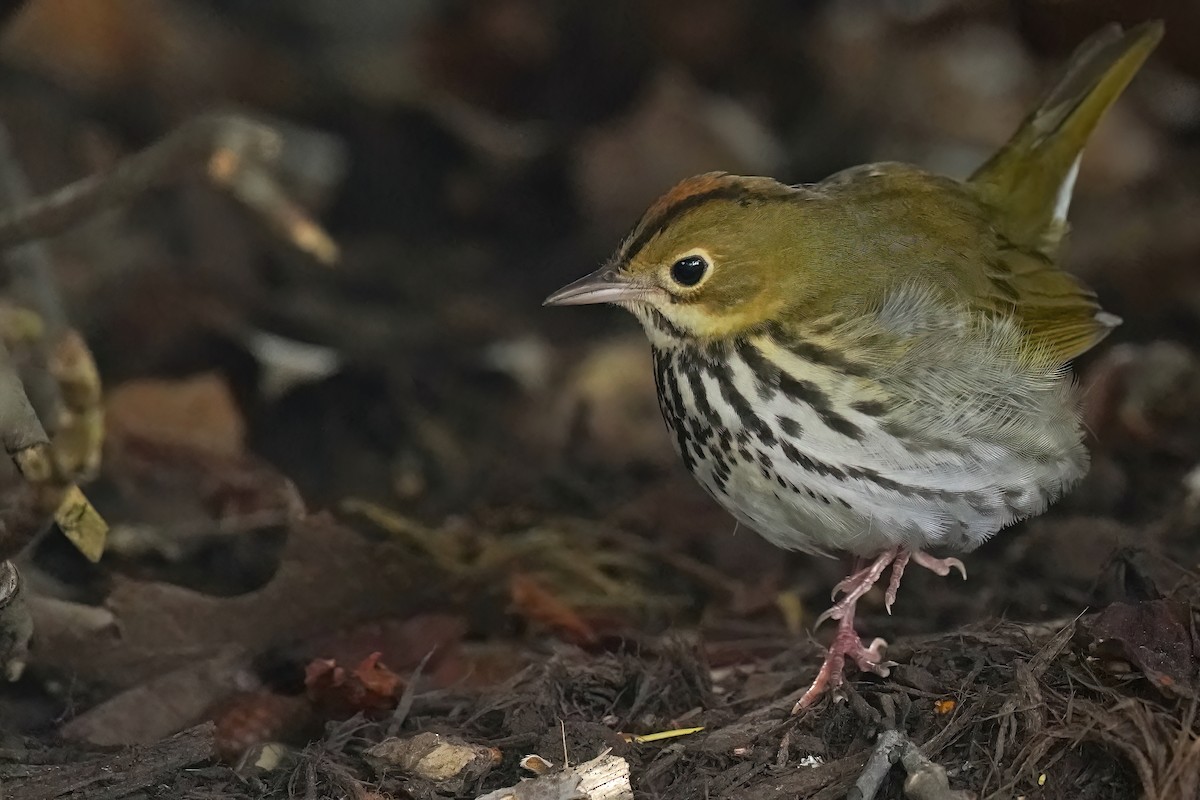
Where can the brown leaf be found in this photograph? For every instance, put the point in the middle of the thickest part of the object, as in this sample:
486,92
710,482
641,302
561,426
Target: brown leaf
377,678
535,603
330,578
164,705
105,45
183,496
1153,636
246,719
196,413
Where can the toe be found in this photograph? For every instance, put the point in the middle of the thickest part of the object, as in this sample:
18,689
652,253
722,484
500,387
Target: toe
870,658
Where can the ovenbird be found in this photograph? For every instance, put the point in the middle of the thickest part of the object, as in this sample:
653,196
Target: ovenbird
878,363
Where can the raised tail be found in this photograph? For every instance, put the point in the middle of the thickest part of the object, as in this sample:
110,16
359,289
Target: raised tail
1031,178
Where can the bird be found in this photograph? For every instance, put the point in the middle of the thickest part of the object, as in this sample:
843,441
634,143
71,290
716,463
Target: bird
878,364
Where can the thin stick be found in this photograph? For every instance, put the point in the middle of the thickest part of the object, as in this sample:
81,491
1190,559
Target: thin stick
886,753
926,780
237,154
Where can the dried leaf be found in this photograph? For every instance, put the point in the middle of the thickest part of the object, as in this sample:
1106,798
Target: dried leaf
370,686
377,678
535,603
162,706
330,578
82,524
1152,636
447,761
246,719
191,492
196,413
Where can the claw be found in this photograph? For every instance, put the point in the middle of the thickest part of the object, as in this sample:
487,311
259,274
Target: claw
898,566
939,566
826,615
870,658
856,584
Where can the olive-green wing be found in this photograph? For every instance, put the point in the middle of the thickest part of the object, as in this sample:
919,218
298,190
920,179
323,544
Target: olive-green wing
1061,314
1028,185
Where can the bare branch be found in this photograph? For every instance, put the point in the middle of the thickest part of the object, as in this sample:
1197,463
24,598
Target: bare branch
237,153
926,780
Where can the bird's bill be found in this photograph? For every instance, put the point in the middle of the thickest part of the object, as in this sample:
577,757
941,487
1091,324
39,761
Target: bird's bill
604,285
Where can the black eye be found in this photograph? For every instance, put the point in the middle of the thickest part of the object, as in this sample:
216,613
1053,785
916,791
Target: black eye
688,270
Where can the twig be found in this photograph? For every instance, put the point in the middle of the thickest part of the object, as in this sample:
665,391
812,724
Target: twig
886,753
20,428
926,780
55,402
407,696
238,154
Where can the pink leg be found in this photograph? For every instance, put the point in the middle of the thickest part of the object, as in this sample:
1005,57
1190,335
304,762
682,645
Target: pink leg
846,642
855,586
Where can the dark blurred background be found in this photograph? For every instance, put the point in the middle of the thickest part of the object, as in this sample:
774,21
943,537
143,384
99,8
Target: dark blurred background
488,151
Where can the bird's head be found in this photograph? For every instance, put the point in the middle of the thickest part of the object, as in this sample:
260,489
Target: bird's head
707,261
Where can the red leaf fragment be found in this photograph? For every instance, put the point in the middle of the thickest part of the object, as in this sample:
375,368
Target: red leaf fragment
370,686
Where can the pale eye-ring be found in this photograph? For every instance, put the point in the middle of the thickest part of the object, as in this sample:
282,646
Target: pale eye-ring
689,270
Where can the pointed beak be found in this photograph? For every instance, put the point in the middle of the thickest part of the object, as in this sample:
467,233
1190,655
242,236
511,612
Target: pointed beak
605,285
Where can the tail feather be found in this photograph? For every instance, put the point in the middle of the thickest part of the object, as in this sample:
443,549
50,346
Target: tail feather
1030,180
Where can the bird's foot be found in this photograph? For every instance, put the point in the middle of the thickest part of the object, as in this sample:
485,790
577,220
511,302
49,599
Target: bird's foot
846,644
859,583
855,586
939,566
